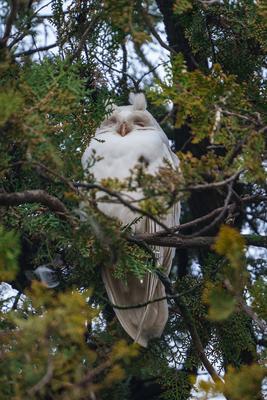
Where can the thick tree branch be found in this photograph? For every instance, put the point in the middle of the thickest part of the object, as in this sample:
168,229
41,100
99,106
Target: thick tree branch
175,33
35,196
9,22
154,32
196,242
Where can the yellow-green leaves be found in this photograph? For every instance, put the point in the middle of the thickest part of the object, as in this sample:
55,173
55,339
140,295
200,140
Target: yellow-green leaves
221,303
10,103
51,342
221,296
9,252
219,114
122,350
230,243
243,384
179,7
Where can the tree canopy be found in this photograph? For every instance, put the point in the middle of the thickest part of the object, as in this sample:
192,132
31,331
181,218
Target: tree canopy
202,65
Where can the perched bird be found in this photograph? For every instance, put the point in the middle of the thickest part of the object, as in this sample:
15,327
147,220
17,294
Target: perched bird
129,134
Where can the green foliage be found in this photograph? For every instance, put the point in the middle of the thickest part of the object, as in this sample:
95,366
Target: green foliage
9,252
258,292
238,385
46,354
180,7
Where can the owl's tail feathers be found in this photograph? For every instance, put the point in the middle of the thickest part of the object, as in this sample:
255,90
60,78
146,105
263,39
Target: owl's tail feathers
141,323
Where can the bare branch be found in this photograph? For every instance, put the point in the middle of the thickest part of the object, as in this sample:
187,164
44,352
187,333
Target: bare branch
84,37
220,217
94,372
176,241
212,214
32,51
205,186
16,301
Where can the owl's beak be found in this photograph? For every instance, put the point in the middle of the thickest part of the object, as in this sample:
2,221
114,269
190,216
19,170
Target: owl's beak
123,129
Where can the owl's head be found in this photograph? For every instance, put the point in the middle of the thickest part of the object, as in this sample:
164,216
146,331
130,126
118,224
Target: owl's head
128,119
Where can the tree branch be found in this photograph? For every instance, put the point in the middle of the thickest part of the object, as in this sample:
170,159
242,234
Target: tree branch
45,379
167,297
9,22
246,308
219,217
35,196
196,242
121,199
243,201
190,325
154,32
32,51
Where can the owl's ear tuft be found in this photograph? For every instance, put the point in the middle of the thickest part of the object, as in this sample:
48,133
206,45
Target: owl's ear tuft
138,101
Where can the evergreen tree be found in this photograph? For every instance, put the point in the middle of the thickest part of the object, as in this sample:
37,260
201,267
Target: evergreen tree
65,342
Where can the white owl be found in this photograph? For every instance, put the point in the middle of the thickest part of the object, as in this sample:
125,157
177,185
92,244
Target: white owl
128,134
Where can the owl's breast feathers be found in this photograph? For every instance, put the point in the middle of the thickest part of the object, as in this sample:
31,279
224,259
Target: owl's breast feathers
119,155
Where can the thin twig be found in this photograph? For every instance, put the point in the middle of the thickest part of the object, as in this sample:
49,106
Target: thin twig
243,200
94,372
167,297
220,217
32,51
190,325
84,37
121,199
205,186
55,174
15,304
246,308
45,379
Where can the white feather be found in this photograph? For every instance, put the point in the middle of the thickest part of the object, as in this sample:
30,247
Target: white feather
46,276
138,101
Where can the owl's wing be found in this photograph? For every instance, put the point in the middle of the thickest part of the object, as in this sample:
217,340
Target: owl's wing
145,322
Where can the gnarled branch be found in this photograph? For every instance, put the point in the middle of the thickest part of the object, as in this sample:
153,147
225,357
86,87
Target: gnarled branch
35,196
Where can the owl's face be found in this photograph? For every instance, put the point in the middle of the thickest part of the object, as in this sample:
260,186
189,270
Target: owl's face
124,122
128,120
